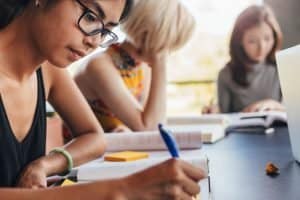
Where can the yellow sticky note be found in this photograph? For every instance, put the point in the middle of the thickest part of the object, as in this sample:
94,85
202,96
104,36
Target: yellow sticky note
67,182
125,156
197,197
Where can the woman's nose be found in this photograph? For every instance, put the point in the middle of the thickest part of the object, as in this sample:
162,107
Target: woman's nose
93,41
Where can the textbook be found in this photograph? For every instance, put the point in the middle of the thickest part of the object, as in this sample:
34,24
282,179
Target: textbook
191,131
214,127
263,119
256,120
210,133
100,169
150,140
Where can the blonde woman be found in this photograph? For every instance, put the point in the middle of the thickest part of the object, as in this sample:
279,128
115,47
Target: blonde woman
126,85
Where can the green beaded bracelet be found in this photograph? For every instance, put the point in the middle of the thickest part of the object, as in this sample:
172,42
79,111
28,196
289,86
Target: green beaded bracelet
68,156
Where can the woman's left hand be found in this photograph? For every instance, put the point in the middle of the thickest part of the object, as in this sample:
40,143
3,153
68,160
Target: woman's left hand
155,59
210,109
34,176
264,105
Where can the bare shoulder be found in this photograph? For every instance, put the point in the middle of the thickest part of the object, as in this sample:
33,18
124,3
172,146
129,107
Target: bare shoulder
99,63
51,72
51,75
47,76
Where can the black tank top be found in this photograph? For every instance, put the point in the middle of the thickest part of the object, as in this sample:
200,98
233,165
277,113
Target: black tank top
15,155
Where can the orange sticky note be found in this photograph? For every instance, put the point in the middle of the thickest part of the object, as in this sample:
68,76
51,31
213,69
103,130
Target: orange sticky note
125,156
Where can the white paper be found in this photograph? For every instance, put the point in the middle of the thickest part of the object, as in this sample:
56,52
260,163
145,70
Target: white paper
101,170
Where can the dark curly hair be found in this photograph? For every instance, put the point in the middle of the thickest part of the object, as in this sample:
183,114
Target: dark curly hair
9,9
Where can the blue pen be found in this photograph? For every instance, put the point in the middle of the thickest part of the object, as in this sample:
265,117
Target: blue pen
169,141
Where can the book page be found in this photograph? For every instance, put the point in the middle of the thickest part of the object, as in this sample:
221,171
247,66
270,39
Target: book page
210,132
211,126
150,140
198,119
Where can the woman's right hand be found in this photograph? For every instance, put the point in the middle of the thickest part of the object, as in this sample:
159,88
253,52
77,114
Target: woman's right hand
154,59
264,105
173,179
210,109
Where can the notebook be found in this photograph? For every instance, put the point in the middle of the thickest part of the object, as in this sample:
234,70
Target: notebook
288,62
100,169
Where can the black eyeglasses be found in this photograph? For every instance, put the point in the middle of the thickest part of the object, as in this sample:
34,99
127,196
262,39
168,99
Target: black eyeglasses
91,24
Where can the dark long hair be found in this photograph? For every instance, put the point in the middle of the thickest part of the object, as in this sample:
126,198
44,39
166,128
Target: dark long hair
126,10
9,9
250,17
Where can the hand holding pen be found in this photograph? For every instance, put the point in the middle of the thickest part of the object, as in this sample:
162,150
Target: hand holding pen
188,176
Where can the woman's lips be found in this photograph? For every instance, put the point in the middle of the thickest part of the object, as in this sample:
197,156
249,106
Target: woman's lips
76,54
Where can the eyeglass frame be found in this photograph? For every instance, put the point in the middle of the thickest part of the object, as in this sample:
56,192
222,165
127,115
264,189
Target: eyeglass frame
103,31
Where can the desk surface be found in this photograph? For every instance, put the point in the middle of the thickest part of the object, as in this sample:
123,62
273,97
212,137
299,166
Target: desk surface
238,163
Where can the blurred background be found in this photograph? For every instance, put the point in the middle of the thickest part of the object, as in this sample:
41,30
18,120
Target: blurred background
192,71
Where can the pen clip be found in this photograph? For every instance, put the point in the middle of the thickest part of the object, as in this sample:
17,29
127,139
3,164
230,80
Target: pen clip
207,164
208,175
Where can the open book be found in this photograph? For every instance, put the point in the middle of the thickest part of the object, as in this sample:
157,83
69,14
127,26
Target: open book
214,127
191,131
99,169
150,140
256,120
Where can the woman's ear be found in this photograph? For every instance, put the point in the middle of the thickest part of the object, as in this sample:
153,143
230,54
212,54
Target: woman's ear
42,3
37,3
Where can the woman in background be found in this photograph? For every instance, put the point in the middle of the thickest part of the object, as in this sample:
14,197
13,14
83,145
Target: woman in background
249,82
126,85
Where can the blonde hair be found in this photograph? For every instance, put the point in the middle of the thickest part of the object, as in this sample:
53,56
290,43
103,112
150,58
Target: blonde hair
156,25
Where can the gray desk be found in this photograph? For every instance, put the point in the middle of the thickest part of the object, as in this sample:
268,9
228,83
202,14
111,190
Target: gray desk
238,163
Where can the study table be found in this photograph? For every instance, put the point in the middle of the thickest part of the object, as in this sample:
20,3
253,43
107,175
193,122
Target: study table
237,167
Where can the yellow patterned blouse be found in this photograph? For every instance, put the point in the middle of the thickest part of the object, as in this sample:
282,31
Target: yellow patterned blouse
133,77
